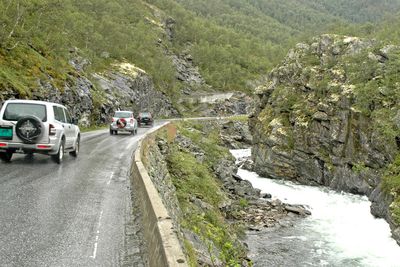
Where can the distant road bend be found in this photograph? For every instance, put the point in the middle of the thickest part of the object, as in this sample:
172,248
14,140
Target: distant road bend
74,214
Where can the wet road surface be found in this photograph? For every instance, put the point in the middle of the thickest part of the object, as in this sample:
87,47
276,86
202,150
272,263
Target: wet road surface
75,214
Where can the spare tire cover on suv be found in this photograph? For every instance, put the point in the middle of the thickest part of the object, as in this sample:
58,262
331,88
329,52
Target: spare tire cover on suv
121,123
29,129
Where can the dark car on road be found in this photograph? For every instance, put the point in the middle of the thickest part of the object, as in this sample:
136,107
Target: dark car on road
145,118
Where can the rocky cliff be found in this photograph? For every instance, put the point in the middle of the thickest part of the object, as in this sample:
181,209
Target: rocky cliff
94,98
329,115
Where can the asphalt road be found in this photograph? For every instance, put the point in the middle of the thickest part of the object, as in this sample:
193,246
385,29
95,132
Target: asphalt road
75,214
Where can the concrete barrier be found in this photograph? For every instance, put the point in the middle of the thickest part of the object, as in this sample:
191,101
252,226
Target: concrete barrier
163,245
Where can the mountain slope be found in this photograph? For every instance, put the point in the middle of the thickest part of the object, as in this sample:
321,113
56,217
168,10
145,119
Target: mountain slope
233,43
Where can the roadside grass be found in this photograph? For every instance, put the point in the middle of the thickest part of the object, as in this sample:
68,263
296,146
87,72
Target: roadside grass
85,129
241,118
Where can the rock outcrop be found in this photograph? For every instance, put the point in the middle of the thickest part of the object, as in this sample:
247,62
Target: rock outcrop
128,87
235,134
187,72
94,99
329,115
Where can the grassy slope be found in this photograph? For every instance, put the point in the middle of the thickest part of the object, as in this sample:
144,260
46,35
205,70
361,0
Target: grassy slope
197,179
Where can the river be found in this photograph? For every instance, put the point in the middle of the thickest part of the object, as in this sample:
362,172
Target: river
340,232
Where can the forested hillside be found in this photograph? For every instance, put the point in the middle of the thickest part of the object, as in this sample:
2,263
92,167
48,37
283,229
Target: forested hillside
233,42
36,36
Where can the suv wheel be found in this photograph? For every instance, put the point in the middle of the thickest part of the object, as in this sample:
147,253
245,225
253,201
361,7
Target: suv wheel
77,148
58,158
6,156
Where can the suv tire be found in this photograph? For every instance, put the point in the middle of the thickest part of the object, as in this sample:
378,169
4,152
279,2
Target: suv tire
58,158
29,129
6,156
77,147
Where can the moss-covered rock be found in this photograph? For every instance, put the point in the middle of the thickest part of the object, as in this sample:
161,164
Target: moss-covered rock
328,115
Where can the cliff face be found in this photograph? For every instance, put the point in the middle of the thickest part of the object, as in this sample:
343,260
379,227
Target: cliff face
329,115
93,99
128,87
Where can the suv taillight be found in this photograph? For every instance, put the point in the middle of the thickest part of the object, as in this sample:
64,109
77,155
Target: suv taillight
112,120
52,129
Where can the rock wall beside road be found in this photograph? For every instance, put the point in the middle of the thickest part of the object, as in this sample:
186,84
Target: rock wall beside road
160,230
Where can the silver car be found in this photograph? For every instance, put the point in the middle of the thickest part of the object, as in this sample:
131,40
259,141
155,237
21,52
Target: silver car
29,126
123,121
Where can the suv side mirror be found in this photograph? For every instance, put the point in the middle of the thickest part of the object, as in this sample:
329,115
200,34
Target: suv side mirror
75,121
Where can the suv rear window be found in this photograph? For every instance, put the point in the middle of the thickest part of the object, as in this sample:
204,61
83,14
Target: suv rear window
15,111
145,114
121,114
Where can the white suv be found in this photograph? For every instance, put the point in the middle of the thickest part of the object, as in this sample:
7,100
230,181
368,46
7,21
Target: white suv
123,121
28,126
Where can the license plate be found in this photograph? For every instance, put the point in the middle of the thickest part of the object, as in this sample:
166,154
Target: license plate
6,133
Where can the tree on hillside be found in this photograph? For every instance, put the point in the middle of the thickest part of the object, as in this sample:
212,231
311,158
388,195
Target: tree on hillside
23,19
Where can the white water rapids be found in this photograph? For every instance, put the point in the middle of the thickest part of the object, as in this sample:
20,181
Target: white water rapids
340,232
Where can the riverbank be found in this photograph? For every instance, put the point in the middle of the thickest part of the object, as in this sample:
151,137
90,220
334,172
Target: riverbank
210,205
340,232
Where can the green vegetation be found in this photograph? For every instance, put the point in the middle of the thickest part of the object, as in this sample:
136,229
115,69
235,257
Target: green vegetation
43,32
391,185
206,136
359,167
241,118
194,179
377,89
93,128
233,42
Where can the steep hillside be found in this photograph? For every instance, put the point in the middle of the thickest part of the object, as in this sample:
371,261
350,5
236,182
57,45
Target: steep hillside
211,207
329,115
184,47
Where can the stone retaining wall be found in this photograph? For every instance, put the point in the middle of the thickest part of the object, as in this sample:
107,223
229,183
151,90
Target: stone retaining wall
160,234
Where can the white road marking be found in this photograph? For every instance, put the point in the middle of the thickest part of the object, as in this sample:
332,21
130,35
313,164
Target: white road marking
109,180
97,237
